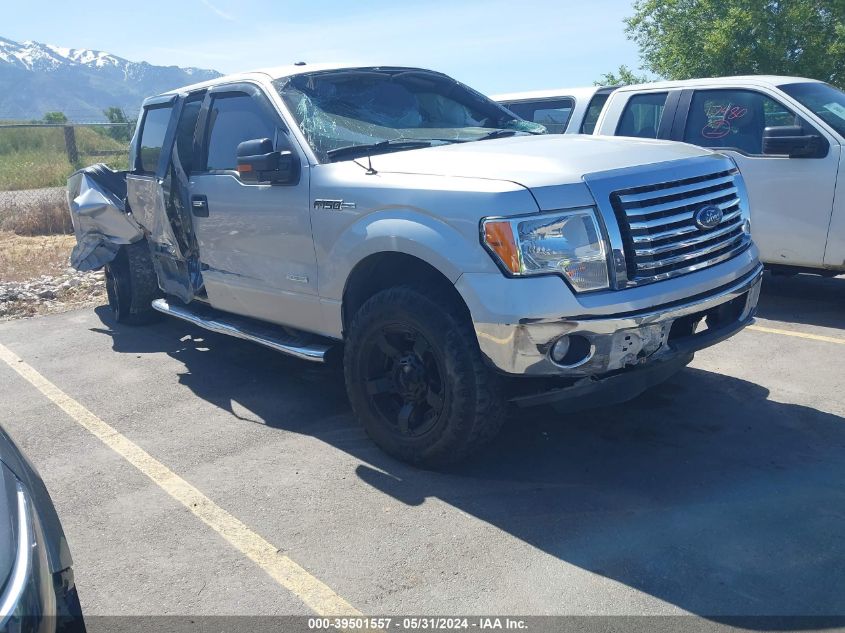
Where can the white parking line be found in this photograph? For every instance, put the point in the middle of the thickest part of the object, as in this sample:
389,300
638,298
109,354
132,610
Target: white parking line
313,592
812,337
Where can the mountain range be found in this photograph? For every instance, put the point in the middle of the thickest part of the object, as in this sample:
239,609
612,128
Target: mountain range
36,78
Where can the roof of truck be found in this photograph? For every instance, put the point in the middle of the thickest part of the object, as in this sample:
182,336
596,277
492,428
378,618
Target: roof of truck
583,92
740,80
276,72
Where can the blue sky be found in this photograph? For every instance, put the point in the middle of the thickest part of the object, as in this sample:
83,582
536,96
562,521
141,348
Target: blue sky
493,45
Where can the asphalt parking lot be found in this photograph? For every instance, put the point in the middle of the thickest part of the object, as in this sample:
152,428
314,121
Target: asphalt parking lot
719,493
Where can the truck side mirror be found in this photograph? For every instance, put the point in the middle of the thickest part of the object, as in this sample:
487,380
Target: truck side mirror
793,141
258,162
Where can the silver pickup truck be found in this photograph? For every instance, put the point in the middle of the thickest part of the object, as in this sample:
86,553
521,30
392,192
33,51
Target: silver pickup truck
460,259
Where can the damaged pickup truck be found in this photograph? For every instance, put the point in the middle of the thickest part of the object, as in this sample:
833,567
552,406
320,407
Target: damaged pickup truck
460,259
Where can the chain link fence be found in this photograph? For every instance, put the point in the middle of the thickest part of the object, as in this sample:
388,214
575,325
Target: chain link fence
35,162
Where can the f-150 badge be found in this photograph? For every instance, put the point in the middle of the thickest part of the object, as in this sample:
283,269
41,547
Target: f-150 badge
333,205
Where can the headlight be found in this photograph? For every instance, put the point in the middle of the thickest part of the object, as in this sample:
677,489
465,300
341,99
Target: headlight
568,243
28,597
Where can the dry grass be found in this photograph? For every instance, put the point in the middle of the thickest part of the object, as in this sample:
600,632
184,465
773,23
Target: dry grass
40,212
25,258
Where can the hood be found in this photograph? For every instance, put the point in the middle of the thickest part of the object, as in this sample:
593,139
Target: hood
15,466
535,161
12,457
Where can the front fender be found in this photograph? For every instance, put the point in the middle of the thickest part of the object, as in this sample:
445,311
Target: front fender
408,231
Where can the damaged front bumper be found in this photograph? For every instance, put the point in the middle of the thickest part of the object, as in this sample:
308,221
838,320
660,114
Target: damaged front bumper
607,390
608,344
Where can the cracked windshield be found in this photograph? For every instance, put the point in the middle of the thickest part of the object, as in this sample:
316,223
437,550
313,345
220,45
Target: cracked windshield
343,114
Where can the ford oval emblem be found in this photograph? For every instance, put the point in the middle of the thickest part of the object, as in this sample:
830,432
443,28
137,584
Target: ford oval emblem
708,217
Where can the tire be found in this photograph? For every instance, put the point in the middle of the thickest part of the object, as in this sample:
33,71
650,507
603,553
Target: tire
416,378
131,285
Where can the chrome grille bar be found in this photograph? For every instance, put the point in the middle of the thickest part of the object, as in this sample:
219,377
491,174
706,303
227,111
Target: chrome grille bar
692,241
680,204
658,223
718,259
686,216
683,230
672,191
668,261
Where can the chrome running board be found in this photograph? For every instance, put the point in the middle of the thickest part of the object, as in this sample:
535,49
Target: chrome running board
304,346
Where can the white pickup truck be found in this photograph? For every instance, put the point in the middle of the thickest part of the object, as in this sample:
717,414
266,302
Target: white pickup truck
561,111
784,133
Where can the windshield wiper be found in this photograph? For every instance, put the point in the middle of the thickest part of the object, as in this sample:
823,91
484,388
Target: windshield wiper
498,134
504,133
370,148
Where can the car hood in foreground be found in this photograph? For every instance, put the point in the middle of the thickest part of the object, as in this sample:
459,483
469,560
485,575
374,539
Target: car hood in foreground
8,523
14,465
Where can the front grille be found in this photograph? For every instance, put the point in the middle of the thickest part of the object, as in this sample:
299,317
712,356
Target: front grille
659,231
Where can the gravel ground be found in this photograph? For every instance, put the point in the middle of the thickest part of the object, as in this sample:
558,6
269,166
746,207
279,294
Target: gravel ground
48,294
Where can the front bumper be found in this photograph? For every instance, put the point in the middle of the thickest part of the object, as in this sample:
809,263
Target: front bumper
624,340
608,390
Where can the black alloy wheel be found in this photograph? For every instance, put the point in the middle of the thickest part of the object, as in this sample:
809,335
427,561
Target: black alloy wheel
405,379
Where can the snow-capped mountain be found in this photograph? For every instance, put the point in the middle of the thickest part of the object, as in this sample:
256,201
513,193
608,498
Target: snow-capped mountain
36,78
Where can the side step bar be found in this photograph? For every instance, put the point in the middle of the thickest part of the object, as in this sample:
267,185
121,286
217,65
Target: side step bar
304,346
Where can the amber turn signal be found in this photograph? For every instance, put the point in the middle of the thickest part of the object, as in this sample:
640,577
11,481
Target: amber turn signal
498,235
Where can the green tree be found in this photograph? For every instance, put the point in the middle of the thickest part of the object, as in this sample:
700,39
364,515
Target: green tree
55,117
624,76
118,132
682,39
114,115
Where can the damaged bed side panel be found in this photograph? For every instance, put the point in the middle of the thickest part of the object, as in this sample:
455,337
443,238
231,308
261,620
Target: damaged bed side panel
101,223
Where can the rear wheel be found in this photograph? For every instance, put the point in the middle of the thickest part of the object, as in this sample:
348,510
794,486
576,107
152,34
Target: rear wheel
416,378
131,285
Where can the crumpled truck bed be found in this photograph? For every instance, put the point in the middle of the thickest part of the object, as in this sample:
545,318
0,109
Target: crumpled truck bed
96,198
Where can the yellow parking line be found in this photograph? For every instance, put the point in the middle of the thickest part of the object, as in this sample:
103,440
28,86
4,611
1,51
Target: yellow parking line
812,337
313,592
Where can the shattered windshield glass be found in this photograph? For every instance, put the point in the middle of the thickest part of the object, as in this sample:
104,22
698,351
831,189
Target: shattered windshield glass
344,113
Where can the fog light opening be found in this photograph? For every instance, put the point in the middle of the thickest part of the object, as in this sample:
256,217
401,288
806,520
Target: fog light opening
560,349
570,350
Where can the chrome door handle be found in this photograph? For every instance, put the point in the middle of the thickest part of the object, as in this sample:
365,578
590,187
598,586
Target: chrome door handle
199,206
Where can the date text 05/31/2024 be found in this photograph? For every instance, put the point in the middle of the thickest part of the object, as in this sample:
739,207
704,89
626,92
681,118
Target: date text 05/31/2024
417,623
